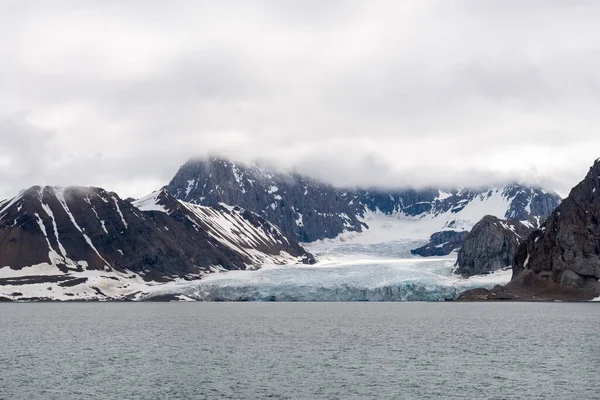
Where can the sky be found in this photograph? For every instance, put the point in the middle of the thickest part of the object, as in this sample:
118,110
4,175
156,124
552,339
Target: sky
119,94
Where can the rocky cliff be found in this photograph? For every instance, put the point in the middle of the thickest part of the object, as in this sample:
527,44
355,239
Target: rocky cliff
491,245
566,250
561,260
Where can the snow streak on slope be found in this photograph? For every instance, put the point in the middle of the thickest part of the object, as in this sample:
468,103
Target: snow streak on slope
239,230
228,226
60,195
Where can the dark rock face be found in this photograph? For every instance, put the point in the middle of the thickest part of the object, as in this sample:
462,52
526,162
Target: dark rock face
534,207
78,229
561,260
566,249
442,243
309,210
491,245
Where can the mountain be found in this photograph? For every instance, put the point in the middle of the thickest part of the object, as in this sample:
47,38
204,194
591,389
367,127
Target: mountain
87,243
491,245
253,238
561,259
302,207
309,210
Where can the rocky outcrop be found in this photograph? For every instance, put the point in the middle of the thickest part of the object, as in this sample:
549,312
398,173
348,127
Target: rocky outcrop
491,245
570,238
529,286
561,260
87,238
309,210
441,244
566,249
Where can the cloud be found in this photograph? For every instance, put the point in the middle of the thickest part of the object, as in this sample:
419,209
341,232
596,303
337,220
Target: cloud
387,93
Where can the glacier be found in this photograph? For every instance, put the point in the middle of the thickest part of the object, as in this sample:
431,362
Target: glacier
345,278
361,267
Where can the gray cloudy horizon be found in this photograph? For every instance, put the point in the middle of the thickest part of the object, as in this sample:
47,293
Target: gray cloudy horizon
356,93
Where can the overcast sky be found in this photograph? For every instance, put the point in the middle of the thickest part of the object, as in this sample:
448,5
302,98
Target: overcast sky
119,94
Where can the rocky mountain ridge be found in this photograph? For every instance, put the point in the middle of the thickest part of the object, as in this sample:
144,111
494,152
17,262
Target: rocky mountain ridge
90,244
310,210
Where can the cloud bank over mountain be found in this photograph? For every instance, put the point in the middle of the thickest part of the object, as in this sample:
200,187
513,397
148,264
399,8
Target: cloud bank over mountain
385,93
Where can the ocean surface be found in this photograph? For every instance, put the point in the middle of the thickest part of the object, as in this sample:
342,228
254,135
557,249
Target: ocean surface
300,351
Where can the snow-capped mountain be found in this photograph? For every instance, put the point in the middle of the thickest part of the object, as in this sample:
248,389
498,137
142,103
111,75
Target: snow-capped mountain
252,237
309,210
87,243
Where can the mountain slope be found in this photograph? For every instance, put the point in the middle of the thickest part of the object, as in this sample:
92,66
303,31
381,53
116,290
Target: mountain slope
309,210
249,235
89,244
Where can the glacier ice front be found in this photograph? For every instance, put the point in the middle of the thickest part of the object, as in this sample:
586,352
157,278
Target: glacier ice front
343,279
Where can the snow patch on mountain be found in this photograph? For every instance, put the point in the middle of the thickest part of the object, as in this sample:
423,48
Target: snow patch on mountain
231,228
443,195
399,227
150,202
76,285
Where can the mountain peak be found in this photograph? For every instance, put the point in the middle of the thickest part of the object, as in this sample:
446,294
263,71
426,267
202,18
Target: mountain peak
159,200
310,210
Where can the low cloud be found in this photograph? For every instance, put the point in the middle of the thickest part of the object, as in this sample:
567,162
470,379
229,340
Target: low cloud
357,93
